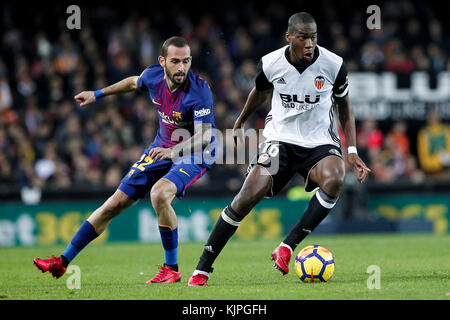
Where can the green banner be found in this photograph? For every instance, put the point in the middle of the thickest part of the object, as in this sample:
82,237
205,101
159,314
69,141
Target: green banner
56,223
422,207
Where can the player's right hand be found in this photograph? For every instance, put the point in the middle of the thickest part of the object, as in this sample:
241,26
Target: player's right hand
84,98
238,132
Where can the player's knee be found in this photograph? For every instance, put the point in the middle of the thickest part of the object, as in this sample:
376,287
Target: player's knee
160,197
333,183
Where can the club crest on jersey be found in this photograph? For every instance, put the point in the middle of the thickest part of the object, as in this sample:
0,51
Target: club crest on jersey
319,81
174,119
176,115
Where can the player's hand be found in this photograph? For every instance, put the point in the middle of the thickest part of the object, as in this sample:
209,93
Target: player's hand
359,167
84,98
160,153
238,132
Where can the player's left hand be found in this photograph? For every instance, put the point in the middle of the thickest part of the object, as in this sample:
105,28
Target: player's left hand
160,153
359,167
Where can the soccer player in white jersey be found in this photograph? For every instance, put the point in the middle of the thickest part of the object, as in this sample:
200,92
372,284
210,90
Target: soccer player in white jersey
309,86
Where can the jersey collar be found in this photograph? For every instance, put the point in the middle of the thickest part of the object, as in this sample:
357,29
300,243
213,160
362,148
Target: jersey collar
302,66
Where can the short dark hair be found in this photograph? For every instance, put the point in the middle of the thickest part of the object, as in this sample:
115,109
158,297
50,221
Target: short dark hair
299,18
178,42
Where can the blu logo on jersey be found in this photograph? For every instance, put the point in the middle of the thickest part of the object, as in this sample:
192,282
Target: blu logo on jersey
293,102
294,98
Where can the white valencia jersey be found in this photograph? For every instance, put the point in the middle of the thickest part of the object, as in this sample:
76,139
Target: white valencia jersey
302,110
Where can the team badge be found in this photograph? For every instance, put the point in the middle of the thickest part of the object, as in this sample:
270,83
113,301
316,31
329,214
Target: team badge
319,81
176,115
264,159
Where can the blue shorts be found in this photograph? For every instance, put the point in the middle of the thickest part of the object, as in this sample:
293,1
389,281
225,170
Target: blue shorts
146,172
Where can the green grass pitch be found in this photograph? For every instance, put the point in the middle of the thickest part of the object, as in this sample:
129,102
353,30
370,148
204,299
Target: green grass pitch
412,267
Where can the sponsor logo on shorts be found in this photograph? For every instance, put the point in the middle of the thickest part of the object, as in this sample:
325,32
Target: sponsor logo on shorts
264,159
336,152
181,170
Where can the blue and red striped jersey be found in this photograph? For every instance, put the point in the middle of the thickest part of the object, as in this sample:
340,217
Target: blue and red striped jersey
180,109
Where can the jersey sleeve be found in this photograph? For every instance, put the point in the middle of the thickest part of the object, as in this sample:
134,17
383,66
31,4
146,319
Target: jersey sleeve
261,82
146,79
340,87
203,111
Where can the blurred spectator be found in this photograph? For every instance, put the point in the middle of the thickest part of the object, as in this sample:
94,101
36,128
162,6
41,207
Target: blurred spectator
419,58
67,57
437,57
433,145
381,170
244,77
372,57
368,136
5,91
399,137
398,61
412,172
46,166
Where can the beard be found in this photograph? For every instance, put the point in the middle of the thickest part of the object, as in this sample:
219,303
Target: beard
172,77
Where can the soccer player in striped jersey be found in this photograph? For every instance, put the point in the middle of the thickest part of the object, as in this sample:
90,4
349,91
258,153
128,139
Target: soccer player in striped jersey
182,152
308,85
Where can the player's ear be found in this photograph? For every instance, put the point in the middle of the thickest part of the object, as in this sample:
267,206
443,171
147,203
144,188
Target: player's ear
288,37
162,61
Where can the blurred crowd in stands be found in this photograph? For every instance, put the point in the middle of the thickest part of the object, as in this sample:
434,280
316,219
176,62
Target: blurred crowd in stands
48,141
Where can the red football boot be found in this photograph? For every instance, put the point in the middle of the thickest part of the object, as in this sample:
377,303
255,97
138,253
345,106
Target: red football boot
198,280
166,275
281,255
54,265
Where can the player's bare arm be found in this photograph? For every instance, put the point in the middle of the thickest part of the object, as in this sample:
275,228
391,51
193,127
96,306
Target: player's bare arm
255,100
126,85
347,119
200,140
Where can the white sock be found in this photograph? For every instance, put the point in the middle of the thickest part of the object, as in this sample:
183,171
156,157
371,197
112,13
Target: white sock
282,244
201,272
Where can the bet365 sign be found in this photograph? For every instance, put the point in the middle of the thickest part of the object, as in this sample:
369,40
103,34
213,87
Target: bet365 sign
53,223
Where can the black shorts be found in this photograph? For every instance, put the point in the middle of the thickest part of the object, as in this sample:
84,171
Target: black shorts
282,160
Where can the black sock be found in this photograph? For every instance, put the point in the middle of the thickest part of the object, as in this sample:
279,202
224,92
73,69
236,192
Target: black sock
224,229
65,261
318,208
174,267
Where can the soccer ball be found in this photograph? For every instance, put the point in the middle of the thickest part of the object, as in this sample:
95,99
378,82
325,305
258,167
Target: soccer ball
314,263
